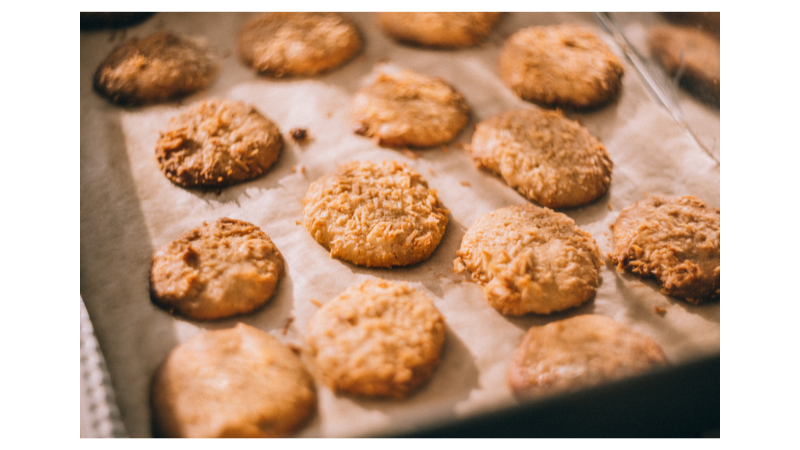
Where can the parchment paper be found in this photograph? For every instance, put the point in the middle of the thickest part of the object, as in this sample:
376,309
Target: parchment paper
128,209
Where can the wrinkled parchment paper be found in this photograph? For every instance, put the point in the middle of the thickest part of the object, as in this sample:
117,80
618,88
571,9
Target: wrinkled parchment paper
128,209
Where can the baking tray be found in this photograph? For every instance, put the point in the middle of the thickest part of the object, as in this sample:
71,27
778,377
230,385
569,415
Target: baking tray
119,232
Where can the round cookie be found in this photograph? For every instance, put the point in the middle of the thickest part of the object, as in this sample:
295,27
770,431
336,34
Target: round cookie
235,382
565,66
217,270
298,43
674,240
403,108
375,215
692,55
217,143
579,352
439,29
154,69
530,259
546,157
377,339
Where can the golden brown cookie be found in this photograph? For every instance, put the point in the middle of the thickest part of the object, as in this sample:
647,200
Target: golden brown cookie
530,259
403,108
217,270
154,69
216,143
565,66
298,43
579,352
546,157
691,55
375,215
674,240
377,339
235,382
439,29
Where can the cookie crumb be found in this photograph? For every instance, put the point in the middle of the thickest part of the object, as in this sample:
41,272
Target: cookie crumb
409,153
659,311
609,207
295,348
293,169
299,134
458,265
465,183
302,169
329,114
430,171
297,222
288,324
316,302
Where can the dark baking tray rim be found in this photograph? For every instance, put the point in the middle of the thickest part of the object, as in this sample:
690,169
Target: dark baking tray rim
675,402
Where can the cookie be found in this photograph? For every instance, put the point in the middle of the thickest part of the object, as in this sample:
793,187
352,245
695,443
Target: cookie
375,215
439,29
530,259
401,108
217,143
97,20
298,43
158,68
708,21
692,56
564,66
674,240
579,352
217,270
235,382
377,339
548,158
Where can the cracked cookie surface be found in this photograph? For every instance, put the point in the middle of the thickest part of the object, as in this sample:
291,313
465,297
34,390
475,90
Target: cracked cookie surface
235,382
548,158
579,352
401,108
217,143
375,215
298,43
565,66
530,259
674,240
217,270
157,68
377,339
